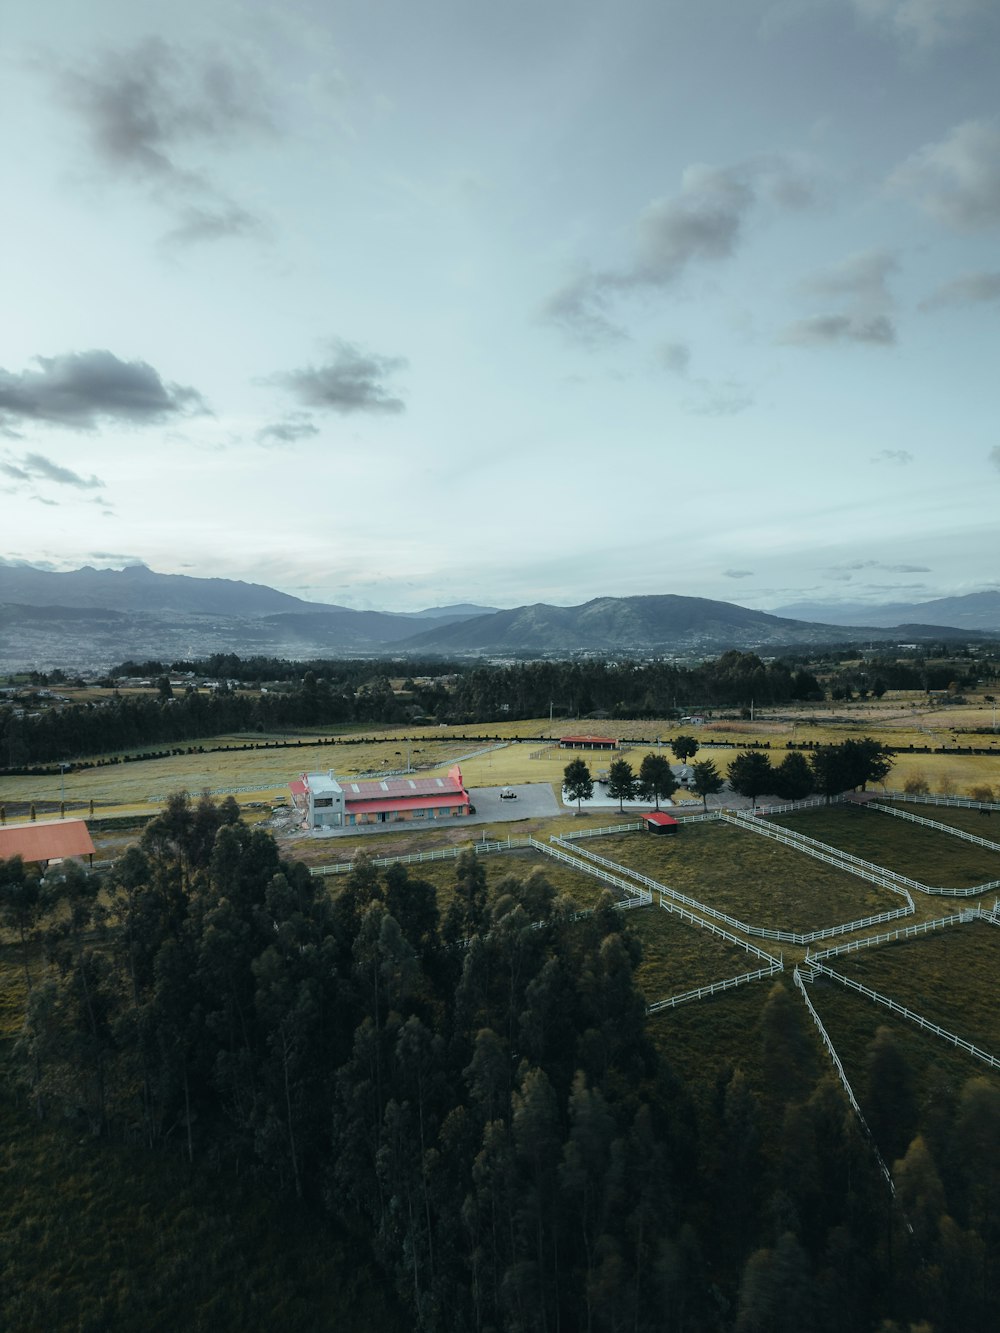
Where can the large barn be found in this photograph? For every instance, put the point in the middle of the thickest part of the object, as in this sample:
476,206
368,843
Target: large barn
324,802
588,743
46,843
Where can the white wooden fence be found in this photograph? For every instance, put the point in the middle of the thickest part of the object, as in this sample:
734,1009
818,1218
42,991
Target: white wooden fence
904,933
977,1052
702,992
961,802
935,824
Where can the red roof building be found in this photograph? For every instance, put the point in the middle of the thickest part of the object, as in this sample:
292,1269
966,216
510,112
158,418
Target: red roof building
658,822
588,743
327,803
40,844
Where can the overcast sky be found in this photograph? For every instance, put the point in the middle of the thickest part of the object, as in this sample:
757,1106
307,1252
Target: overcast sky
394,304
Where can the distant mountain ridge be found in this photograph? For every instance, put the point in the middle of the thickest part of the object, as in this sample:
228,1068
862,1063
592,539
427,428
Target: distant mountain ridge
91,618
973,611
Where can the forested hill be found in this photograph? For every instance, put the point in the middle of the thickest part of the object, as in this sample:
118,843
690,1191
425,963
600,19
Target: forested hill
666,623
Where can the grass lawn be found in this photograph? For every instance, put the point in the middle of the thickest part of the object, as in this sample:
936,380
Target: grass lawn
949,977
585,890
752,878
926,855
956,816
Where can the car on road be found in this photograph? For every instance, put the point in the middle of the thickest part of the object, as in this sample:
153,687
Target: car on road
508,794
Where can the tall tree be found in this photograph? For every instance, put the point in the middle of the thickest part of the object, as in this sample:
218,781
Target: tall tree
793,778
577,782
751,775
706,781
684,748
656,779
621,782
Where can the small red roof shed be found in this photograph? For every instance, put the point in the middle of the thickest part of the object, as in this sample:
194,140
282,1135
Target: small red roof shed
658,822
588,743
41,843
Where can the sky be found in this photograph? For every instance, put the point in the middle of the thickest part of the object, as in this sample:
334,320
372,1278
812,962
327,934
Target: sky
397,305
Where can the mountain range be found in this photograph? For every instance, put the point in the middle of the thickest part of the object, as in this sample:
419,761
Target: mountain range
90,618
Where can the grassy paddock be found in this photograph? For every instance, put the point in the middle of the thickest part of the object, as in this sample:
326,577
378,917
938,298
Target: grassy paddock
752,878
926,855
852,1021
948,976
678,957
584,890
955,816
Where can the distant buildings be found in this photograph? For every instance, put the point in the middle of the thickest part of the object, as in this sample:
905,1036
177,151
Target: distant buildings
323,802
588,743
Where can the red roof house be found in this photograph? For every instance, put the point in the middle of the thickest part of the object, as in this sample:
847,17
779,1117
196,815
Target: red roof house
658,822
38,844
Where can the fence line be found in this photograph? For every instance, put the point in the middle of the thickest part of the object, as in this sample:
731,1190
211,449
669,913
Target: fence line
761,932
934,824
905,933
962,802
846,1084
800,840
703,992
633,897
921,1022
776,963
413,858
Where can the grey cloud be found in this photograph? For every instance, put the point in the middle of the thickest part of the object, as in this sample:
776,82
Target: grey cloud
861,276
351,381
578,308
923,23
41,500
852,566
295,426
77,388
36,467
826,330
675,357
899,456
146,109
968,289
956,181
726,398
703,222
737,573
994,456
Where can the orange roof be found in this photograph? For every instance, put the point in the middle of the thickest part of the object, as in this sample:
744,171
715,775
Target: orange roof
45,842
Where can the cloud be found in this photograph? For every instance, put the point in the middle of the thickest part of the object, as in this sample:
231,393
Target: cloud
675,357
578,308
923,23
351,381
956,181
848,567
703,222
76,389
968,289
725,398
150,110
737,573
994,456
826,330
899,456
295,426
861,276
36,467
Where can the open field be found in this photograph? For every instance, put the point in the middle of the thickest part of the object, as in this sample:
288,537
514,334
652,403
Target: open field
754,879
955,816
948,977
926,855
584,889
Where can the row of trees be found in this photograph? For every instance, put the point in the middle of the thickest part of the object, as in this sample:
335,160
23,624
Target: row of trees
828,770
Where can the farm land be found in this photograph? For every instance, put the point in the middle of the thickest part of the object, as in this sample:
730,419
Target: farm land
927,855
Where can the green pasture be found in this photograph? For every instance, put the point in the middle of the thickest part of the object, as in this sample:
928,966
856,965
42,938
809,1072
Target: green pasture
938,1070
927,855
747,876
948,976
678,957
956,816
583,889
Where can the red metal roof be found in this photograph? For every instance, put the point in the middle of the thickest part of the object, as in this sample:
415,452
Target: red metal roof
588,740
429,802
396,788
46,842
298,787
659,818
